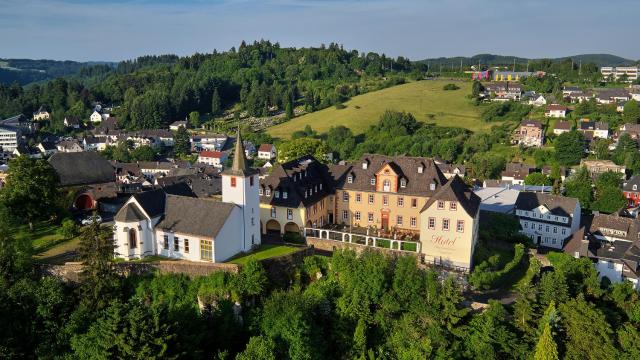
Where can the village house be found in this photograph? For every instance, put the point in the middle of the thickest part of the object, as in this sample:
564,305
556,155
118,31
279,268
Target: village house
556,111
611,95
267,152
213,158
174,126
451,170
69,146
529,133
595,130
183,227
597,167
23,150
516,173
504,91
41,114
562,127
71,122
537,100
631,191
249,149
213,142
47,148
94,143
570,90
95,117
548,171
548,219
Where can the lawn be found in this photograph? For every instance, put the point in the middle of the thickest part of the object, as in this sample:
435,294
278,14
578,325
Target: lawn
48,245
264,252
426,100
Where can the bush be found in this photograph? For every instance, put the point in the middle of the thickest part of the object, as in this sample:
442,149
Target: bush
294,238
450,87
69,229
482,276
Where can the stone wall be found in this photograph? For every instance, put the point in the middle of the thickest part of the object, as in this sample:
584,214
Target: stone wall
331,245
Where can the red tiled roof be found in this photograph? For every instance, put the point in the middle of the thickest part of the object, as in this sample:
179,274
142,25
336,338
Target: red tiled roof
265,148
556,107
211,154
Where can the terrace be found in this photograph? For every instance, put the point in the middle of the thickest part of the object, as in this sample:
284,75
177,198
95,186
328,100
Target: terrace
393,240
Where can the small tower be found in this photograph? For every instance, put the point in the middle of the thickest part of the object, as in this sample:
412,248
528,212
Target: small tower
240,186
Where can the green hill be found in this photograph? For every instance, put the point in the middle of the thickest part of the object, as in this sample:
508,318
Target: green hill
495,60
426,100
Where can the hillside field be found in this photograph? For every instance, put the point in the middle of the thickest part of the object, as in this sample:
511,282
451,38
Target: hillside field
426,100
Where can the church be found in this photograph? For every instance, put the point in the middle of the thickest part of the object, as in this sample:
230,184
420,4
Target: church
183,227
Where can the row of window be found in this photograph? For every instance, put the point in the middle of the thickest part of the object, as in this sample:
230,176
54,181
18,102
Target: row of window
453,206
547,228
234,181
385,199
285,194
446,224
532,214
176,244
413,221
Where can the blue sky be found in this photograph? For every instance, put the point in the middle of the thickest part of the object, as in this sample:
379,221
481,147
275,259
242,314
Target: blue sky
114,30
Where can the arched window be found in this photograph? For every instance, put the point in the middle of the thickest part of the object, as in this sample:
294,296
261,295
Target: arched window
133,242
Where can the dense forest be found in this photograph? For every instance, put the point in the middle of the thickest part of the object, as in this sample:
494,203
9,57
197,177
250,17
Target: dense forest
262,77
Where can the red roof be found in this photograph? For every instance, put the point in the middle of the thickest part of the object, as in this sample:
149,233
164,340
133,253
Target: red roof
553,107
211,154
265,148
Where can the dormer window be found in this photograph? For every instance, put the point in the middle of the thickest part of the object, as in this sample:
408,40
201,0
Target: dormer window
373,181
365,165
260,191
285,194
403,183
277,194
268,192
432,186
350,179
635,187
420,169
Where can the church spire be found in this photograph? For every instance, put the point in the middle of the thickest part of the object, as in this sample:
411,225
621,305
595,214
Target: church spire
240,166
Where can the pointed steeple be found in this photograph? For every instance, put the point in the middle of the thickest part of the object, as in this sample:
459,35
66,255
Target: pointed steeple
240,166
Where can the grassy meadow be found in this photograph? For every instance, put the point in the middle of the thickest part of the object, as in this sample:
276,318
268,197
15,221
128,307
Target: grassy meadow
426,100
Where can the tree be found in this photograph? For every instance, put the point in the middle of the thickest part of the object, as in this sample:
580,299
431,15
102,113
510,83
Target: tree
100,282
569,148
194,119
31,191
216,105
537,178
631,112
182,143
296,148
121,152
609,197
259,348
69,229
579,186
143,153
546,348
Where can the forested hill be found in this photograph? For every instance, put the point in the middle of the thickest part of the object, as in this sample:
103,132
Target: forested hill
26,71
262,77
495,60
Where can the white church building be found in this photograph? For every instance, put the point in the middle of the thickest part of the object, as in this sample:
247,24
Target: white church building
188,228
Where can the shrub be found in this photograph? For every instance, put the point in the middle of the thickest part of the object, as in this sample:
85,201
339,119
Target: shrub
294,238
450,87
482,276
340,106
69,229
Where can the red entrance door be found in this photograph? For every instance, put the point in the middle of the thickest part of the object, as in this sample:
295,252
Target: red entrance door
385,219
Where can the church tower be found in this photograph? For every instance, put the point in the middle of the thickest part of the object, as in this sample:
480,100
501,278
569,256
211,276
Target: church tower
240,186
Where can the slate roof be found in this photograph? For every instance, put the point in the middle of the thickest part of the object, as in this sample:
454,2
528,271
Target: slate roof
129,213
563,125
82,168
456,190
240,167
152,202
557,205
628,185
405,166
602,222
194,216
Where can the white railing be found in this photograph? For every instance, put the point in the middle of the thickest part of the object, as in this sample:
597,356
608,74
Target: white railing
361,239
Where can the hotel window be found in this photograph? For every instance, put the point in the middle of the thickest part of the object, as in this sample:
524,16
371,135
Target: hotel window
358,216
539,227
206,250
345,215
403,183
260,192
399,220
432,223
413,222
289,214
386,185
276,194
350,179
186,246
176,244
358,197
373,181
460,226
385,200
445,224
453,206
233,181
555,229
166,242
546,228
370,217
414,202
440,205
564,231
400,201
273,212
371,198
268,192
345,196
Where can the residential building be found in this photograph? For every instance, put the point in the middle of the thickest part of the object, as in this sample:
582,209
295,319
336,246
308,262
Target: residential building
9,136
612,95
94,143
449,230
497,199
451,170
620,73
214,142
631,191
41,114
23,150
504,90
590,129
95,117
570,90
537,100
213,158
182,227
516,173
548,219
597,167
72,122
249,149
47,148
69,146
562,127
174,126
529,133
556,111
267,152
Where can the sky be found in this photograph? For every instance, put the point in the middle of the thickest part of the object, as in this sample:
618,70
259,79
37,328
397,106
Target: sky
114,30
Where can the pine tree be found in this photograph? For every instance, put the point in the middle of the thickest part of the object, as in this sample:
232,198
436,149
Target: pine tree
216,106
288,109
546,348
182,146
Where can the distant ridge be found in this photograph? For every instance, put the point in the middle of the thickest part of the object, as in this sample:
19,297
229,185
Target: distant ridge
25,71
495,60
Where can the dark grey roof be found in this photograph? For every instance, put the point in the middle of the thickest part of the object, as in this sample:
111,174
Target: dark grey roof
194,216
628,185
603,225
152,202
129,213
82,168
557,205
201,185
456,190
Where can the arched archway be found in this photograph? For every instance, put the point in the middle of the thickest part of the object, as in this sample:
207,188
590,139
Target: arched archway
133,241
84,202
291,227
273,227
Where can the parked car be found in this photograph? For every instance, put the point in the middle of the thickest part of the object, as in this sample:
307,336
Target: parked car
89,219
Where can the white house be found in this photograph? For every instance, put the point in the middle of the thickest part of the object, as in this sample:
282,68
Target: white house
548,219
72,122
67,146
95,117
182,227
174,126
47,148
537,100
213,142
267,152
556,111
94,143
213,158
562,127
